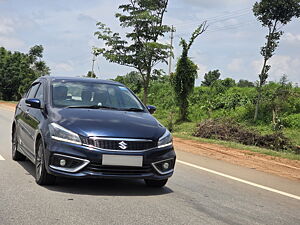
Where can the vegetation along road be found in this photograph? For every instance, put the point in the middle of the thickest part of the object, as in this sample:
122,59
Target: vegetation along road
202,191
236,129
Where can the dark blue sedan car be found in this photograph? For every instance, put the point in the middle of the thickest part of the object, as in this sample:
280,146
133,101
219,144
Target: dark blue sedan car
90,128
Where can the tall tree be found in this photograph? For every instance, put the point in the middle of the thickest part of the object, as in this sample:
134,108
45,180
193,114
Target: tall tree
183,80
210,77
18,70
273,14
140,48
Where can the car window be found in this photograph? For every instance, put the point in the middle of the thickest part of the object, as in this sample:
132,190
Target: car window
33,90
72,93
27,93
40,92
127,99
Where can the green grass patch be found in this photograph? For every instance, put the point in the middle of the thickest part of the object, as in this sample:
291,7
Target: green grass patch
291,133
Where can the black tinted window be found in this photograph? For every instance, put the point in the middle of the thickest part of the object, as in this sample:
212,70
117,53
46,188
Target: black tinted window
33,90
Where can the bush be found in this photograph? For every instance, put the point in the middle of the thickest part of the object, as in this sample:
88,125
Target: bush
292,121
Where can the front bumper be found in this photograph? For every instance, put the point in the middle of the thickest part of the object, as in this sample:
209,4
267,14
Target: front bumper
87,162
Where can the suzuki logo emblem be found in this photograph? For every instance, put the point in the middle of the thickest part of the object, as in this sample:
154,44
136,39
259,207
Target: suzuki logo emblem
122,145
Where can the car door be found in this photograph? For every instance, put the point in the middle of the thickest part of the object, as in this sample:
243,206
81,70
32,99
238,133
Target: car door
27,123
20,119
35,116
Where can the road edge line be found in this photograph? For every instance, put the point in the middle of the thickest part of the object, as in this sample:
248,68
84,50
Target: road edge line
1,158
240,180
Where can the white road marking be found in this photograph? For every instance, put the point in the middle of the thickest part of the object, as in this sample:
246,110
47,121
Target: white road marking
1,158
240,180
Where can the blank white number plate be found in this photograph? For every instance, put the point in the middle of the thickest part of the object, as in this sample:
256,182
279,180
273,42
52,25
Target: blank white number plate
122,160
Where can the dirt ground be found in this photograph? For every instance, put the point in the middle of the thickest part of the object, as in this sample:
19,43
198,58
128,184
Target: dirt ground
270,164
8,105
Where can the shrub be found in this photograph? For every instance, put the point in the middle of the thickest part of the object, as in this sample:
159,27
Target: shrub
292,121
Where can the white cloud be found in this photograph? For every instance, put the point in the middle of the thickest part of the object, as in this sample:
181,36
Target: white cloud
7,34
256,65
289,37
202,69
63,67
6,26
280,64
235,65
10,42
216,3
288,65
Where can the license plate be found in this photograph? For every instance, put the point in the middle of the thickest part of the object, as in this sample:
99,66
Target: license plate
122,160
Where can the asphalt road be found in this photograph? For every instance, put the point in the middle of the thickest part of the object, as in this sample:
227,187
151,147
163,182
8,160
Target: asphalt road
192,195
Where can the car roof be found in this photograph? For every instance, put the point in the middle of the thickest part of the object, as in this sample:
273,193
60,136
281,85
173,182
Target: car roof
79,79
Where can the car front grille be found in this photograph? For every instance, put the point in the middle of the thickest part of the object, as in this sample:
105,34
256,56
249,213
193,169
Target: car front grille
126,144
120,170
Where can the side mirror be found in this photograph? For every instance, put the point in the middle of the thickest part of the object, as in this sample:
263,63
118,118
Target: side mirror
33,102
151,109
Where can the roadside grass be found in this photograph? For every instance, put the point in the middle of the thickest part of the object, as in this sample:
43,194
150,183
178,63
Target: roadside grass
292,133
185,131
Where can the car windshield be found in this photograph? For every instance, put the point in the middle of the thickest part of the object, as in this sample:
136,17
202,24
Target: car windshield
75,94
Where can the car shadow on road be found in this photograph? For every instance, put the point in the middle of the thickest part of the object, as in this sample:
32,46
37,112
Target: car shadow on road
100,187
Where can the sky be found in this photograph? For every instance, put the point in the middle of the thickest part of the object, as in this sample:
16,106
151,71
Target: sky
66,29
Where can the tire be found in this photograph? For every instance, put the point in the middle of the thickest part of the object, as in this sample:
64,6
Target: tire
156,183
42,177
16,155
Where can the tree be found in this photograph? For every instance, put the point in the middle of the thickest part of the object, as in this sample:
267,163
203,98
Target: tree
228,82
37,66
273,15
18,70
279,97
183,80
140,49
245,83
220,86
91,74
132,80
210,78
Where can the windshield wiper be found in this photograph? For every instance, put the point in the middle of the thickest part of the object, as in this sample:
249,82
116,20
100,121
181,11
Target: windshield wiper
134,109
93,107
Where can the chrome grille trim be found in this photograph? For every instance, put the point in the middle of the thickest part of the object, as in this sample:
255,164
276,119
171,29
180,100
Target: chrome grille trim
120,139
93,142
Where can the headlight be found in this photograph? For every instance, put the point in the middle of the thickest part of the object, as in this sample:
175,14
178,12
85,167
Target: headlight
60,133
165,140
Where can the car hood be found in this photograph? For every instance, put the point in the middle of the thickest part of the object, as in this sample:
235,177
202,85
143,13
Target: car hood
108,123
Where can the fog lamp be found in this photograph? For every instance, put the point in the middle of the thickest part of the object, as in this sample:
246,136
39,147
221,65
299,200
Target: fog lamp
62,162
166,165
